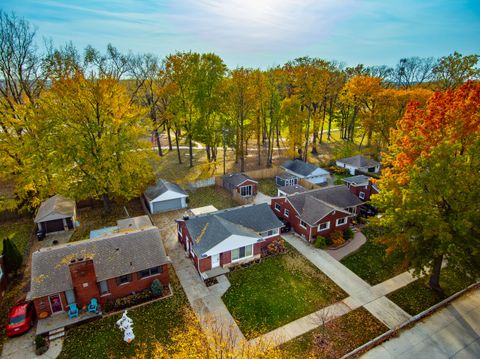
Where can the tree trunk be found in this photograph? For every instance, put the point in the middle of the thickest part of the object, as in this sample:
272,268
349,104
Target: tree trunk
259,154
242,151
157,139
190,149
323,121
207,149
169,139
107,208
177,135
434,281
307,137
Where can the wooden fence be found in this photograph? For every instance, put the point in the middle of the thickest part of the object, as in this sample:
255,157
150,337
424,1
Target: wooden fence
308,185
202,183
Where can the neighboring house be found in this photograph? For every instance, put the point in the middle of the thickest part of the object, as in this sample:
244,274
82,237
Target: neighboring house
106,268
3,278
361,186
359,163
240,183
228,237
288,190
165,196
286,179
317,212
307,171
56,214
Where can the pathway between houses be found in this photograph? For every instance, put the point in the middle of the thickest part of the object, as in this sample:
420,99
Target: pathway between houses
354,245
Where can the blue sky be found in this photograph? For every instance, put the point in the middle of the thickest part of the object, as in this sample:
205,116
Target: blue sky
263,33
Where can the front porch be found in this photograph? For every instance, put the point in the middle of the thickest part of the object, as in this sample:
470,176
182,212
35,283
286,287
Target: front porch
215,272
61,320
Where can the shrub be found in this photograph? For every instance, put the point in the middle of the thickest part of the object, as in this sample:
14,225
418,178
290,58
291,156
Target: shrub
320,242
41,345
348,234
276,247
13,258
156,288
337,238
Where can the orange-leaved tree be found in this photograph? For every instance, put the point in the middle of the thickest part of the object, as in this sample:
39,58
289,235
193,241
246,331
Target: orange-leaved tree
429,188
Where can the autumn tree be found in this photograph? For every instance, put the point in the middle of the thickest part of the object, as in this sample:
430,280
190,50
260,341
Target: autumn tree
431,167
412,71
453,70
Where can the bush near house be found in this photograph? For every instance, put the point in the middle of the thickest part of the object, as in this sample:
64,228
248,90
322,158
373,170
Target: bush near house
337,238
320,242
348,234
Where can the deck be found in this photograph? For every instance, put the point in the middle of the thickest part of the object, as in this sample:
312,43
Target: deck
61,320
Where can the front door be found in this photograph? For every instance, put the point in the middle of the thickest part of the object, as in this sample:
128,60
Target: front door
56,303
215,260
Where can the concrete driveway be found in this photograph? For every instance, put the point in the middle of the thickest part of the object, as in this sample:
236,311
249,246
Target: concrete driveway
262,198
452,332
23,347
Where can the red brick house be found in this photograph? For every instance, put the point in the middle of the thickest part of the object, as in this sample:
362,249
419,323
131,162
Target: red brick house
107,267
229,237
317,212
361,186
240,183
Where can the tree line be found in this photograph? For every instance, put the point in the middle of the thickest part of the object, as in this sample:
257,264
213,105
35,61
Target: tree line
79,123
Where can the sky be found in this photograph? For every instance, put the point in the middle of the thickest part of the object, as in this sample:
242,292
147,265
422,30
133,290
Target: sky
262,33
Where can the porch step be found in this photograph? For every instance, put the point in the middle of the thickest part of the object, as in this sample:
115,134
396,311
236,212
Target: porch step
56,334
55,331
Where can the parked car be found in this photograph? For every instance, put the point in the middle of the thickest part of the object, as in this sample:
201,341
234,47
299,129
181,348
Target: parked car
286,226
20,319
367,210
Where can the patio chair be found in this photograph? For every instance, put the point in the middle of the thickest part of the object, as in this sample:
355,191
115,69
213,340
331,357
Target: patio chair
93,305
72,311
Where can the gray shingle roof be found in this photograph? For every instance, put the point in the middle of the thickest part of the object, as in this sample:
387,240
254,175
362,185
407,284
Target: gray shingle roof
236,178
315,204
160,188
56,205
359,161
357,180
299,167
286,175
292,189
113,256
210,229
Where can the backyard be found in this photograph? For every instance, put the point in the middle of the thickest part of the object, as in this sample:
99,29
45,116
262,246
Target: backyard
151,323
267,186
19,233
213,195
276,291
337,337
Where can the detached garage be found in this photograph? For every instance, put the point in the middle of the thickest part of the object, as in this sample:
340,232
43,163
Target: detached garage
165,196
56,214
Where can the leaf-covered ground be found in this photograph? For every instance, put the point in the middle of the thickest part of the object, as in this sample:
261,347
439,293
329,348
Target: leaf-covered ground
371,261
151,323
267,186
19,232
280,289
217,197
338,337
417,296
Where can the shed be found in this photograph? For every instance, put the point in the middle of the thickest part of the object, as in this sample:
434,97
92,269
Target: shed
56,214
360,164
286,179
165,196
240,183
307,171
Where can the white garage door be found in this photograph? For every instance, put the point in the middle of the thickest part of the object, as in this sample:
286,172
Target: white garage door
168,205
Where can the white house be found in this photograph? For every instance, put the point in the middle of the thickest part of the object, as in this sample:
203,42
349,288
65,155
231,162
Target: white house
165,196
360,163
306,171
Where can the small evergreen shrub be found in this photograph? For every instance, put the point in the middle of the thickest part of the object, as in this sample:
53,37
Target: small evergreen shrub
320,242
156,288
348,234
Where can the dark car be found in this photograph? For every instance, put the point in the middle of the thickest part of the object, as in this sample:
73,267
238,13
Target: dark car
367,210
286,226
20,319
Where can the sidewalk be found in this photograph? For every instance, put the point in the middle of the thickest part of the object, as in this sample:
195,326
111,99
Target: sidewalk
354,245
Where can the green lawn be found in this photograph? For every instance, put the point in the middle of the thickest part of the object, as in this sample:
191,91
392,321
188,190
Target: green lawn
336,338
19,232
267,186
213,195
95,218
151,323
338,178
417,296
277,291
371,261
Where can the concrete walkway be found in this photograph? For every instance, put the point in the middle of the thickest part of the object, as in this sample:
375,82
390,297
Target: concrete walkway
354,245
262,198
361,293
452,332
23,347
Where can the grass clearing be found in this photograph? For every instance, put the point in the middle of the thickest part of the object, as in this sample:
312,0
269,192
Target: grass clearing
267,186
151,323
95,218
371,261
19,232
213,195
417,296
337,337
280,289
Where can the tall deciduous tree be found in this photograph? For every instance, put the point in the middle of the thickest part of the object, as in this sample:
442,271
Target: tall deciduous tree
428,188
453,70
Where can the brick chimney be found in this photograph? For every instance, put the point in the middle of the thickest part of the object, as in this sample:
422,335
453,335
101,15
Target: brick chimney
84,280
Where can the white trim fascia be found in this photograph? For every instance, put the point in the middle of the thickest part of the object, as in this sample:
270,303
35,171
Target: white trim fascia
233,242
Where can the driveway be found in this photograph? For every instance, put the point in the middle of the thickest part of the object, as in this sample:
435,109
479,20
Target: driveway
354,245
261,198
23,347
452,332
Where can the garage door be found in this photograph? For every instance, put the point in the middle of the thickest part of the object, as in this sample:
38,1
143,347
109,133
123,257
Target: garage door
54,226
169,205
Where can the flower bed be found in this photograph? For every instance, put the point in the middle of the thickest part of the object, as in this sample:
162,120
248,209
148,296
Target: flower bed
133,299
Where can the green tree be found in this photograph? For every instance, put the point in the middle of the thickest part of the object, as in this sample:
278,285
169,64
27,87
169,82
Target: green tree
12,256
455,69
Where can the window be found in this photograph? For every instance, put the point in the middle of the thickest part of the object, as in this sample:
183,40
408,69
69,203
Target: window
246,191
361,195
278,207
323,226
241,252
103,286
124,279
269,233
303,224
286,212
149,272
341,221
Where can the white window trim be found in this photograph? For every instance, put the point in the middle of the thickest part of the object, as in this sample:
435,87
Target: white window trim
247,195
361,195
301,225
341,224
278,208
324,229
276,233
240,259
286,212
